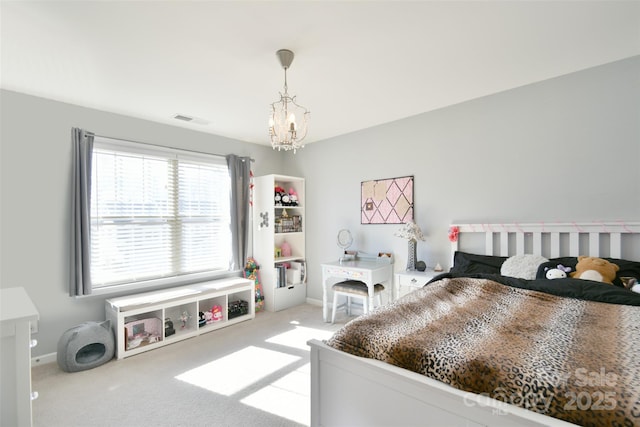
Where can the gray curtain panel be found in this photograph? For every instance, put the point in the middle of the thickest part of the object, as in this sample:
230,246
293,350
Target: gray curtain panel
239,171
80,272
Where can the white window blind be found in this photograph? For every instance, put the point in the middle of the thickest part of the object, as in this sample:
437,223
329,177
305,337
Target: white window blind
157,214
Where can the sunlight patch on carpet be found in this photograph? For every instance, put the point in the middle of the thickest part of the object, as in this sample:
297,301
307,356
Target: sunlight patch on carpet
298,337
234,372
287,397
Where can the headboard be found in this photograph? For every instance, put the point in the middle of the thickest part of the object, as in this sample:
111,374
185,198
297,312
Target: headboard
551,240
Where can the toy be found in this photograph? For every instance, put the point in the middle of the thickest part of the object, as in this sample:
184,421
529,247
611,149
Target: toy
168,327
208,316
560,272
278,194
293,197
184,318
285,249
216,313
251,271
597,269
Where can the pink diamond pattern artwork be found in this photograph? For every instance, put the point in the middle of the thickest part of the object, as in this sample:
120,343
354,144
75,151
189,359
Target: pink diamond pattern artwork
387,201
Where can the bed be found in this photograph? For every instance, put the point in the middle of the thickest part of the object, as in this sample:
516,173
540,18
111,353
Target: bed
477,348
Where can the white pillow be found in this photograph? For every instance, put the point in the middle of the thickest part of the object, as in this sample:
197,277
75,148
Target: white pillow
522,266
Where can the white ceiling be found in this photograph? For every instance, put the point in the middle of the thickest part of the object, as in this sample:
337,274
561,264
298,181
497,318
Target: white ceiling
358,63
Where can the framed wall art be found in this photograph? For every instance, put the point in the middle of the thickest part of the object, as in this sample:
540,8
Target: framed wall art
386,201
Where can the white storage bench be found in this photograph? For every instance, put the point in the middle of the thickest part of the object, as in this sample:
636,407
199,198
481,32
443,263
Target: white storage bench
142,322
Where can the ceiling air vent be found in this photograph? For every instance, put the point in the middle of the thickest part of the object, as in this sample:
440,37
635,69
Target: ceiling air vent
190,119
183,118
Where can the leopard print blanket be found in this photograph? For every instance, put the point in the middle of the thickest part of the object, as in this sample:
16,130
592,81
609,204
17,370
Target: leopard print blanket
575,360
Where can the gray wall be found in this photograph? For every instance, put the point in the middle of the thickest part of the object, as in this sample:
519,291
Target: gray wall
566,149
35,181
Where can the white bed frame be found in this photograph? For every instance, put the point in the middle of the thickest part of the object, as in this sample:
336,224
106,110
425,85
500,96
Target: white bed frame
347,390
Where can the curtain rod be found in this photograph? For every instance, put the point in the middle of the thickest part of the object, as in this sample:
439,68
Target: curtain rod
162,146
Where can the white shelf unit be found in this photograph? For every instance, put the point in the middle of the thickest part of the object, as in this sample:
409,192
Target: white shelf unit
267,236
152,309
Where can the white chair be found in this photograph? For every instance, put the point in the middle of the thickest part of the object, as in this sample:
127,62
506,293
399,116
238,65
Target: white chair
354,289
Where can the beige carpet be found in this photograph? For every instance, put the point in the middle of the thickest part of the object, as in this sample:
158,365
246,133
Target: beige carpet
255,373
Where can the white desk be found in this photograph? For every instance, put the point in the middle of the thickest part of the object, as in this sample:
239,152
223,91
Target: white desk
369,272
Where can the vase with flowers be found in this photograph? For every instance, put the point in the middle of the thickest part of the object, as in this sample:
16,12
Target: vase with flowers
412,232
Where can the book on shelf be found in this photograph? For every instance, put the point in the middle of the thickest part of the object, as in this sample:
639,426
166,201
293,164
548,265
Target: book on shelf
281,275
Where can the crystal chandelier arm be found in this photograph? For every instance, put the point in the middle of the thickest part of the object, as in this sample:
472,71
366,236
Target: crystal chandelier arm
288,121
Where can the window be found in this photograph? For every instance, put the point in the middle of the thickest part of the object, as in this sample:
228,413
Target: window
157,214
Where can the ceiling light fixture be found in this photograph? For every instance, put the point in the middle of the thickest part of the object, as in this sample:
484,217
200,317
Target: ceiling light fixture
288,120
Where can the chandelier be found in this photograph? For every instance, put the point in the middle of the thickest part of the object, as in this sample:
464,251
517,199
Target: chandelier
288,120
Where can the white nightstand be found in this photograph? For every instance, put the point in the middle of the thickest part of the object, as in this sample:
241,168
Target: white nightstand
409,281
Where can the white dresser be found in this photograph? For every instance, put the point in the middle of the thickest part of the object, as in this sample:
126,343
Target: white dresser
17,314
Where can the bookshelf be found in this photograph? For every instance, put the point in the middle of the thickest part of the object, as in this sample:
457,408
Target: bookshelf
279,240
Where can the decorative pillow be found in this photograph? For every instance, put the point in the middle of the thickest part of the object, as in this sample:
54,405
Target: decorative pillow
522,266
466,263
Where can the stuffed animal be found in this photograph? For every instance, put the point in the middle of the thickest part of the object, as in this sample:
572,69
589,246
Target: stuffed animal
293,197
216,311
597,269
631,283
560,272
278,194
208,316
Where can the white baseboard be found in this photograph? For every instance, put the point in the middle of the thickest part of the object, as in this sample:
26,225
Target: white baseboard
44,359
314,301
